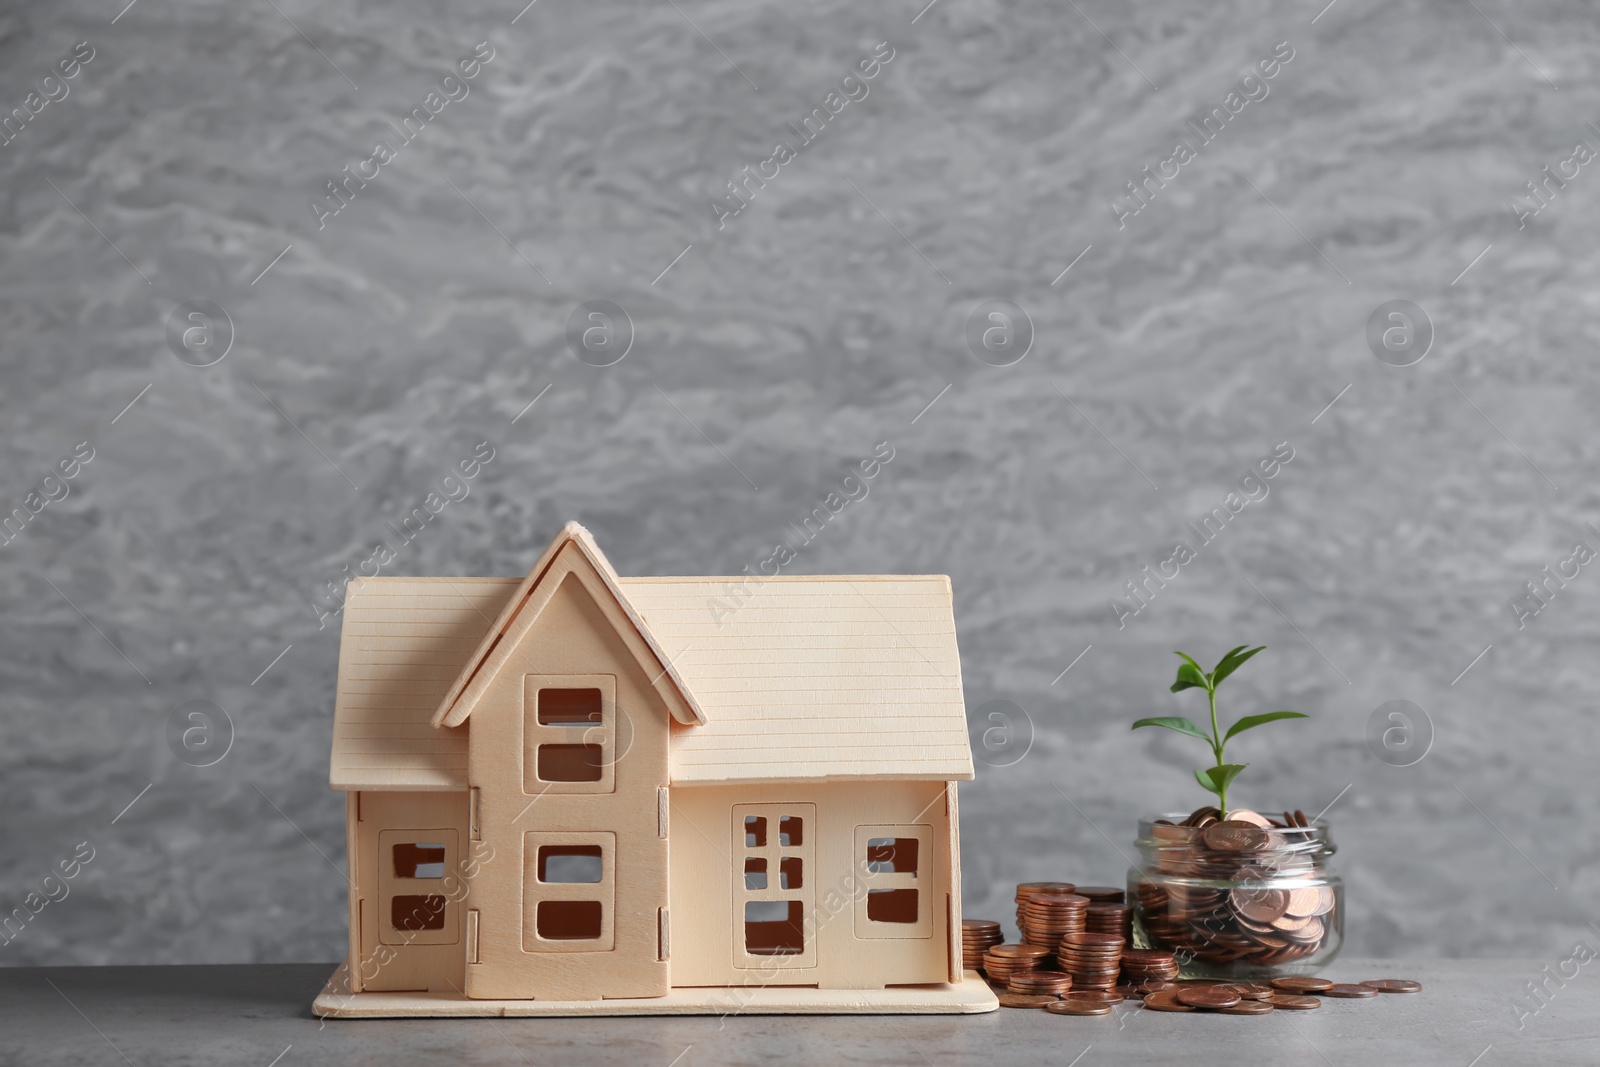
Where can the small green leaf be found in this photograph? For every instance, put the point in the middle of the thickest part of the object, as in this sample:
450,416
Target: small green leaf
1190,659
1178,723
1250,722
1189,677
1230,663
1216,779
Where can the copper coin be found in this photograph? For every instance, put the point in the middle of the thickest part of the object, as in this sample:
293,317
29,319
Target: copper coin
1262,905
1301,984
1103,996
1026,889
1347,991
1247,1007
1246,815
1165,1000
1102,894
1218,996
1289,1003
1393,985
1235,837
1092,940
1078,1007
1252,990
1025,1000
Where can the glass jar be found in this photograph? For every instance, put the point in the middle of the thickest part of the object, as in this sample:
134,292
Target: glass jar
1237,901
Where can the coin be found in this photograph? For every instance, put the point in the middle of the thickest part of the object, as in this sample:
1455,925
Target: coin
1094,996
1348,991
1262,905
1078,1007
1247,1007
1051,982
1291,1003
1234,837
1165,1000
1301,984
1025,1000
1102,894
1393,985
1246,815
1253,990
1219,996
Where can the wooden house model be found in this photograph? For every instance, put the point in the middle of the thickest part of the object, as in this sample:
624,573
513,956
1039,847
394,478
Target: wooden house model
578,793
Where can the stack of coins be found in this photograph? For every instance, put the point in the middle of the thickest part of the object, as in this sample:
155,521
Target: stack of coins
1027,889
1148,969
1110,919
1052,982
1003,961
1049,914
977,937
1093,960
1102,894
1272,909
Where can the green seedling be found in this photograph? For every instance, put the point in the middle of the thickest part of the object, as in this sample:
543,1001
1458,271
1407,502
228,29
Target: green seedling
1217,778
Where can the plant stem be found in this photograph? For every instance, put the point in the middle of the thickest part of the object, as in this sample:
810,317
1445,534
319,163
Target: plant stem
1216,745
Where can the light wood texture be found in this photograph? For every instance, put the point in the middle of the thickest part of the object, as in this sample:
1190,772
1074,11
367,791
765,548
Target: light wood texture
402,643
395,959
708,865
573,549
970,996
540,741
570,628
813,678
833,677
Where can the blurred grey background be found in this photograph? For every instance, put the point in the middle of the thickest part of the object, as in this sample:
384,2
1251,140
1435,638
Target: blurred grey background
189,559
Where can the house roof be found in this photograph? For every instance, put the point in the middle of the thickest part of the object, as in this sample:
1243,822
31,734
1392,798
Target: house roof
854,676
573,551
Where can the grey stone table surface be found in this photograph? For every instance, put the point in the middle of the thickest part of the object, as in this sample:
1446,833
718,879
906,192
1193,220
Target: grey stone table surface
1471,1013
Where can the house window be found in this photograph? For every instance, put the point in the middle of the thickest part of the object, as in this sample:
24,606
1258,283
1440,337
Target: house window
414,907
570,739
773,924
569,892
892,865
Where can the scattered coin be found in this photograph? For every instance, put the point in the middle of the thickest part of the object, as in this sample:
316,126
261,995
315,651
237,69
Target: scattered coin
1293,1003
1301,984
1025,1000
1165,1000
1347,991
1217,996
1393,985
1247,1007
1094,996
1253,990
1077,1007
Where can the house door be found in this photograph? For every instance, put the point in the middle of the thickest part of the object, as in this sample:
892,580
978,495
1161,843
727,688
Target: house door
774,917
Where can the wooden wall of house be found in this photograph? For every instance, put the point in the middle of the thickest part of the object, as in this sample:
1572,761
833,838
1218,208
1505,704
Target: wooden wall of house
844,948
575,641
410,868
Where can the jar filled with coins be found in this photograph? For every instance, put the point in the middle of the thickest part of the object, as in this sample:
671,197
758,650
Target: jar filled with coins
1238,894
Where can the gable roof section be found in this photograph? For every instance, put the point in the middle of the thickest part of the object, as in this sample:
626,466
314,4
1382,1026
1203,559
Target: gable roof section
402,643
572,552
809,679
855,676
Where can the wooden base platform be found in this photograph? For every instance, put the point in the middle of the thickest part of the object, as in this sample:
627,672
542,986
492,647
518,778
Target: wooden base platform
971,996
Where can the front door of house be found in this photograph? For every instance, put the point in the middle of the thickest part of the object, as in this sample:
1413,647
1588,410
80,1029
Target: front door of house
774,917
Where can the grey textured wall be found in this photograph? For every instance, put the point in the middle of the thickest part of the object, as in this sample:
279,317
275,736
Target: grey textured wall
770,353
